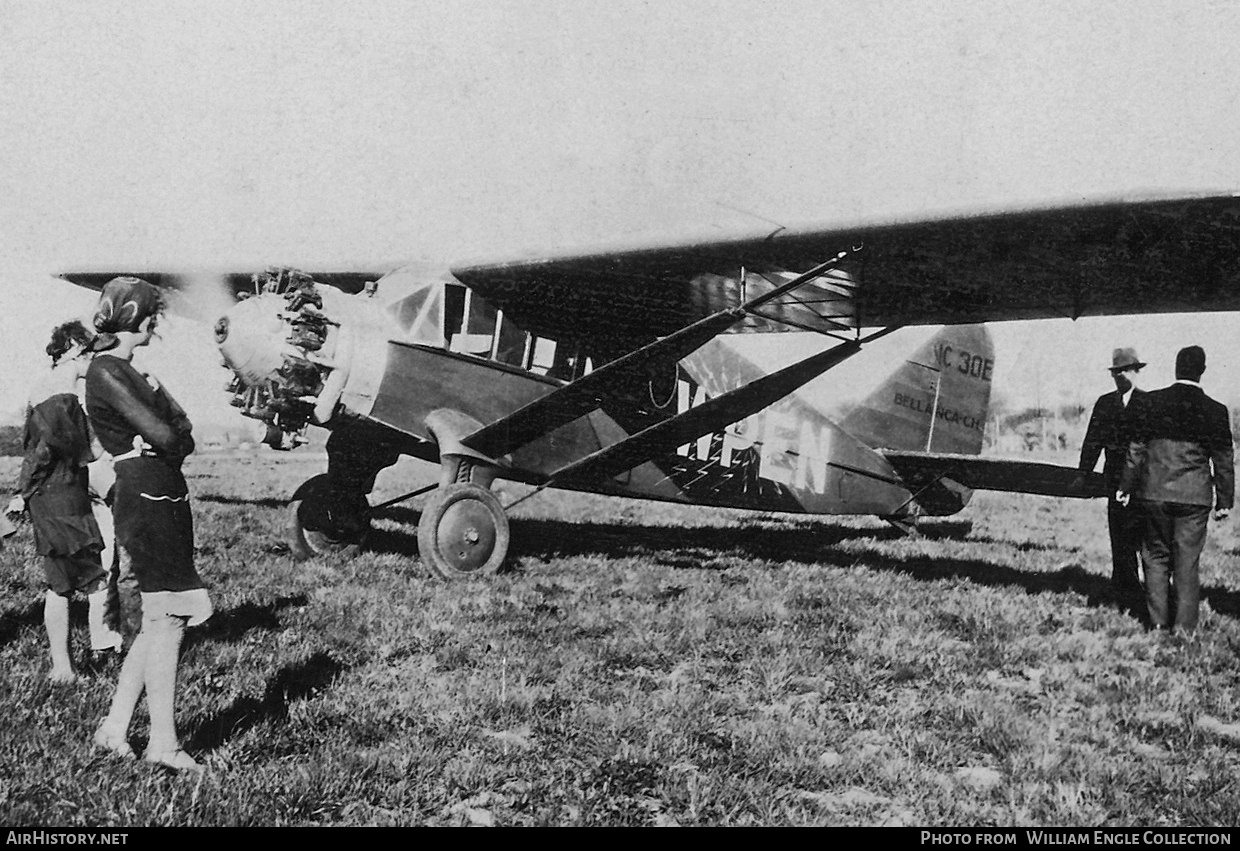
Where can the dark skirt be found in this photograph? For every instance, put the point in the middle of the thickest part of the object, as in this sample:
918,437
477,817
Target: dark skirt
154,524
67,537
78,572
63,522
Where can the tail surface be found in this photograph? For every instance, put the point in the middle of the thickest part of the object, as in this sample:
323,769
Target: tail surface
935,401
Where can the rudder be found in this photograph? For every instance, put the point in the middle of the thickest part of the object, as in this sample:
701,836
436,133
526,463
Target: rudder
935,401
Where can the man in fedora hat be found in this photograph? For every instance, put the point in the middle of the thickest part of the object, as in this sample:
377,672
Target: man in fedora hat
1180,465
1109,433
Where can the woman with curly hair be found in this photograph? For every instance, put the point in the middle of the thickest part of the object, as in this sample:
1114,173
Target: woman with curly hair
149,436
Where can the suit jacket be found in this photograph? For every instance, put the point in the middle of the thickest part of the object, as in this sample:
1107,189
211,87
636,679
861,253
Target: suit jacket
1181,449
1108,432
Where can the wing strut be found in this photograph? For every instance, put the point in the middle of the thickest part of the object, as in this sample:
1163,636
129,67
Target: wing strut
711,415
578,398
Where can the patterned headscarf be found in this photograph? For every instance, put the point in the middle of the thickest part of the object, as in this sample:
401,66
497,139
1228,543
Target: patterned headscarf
123,305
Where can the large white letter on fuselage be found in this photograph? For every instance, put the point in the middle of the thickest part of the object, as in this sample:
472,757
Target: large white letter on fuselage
776,447
814,452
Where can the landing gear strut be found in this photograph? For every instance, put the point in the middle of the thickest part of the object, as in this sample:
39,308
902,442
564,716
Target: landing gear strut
463,532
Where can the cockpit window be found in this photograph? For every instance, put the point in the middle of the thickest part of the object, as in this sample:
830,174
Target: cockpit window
416,307
474,327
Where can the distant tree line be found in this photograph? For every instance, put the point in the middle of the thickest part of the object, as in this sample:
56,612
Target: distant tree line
10,440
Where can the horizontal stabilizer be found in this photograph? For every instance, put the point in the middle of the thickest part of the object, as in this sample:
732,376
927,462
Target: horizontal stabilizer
997,474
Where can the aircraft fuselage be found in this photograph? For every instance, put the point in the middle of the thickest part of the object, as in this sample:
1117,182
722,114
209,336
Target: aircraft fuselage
434,364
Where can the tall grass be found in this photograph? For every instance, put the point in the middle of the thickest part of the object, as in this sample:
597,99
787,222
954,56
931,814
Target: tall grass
649,664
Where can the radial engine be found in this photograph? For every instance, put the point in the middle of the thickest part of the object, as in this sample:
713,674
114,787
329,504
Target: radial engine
289,358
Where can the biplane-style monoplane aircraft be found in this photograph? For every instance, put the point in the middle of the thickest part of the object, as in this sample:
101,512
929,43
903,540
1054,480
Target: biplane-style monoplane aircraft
606,371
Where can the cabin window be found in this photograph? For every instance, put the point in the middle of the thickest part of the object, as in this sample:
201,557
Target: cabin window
453,311
540,355
509,342
569,362
474,327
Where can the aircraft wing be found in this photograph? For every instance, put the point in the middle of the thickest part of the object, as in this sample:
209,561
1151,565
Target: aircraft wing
1136,256
978,472
191,292
1117,257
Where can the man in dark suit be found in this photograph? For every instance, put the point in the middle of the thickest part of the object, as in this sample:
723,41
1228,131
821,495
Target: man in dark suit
1180,464
1108,433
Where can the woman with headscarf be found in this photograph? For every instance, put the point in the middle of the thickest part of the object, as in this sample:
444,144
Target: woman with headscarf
148,435
54,486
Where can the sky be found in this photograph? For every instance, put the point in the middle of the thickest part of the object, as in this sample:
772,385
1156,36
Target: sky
238,135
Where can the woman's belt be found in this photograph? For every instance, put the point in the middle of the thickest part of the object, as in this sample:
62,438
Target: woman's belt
145,452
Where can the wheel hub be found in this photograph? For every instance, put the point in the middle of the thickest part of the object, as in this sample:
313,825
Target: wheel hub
467,535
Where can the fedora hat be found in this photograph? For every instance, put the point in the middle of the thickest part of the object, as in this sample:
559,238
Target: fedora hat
1125,359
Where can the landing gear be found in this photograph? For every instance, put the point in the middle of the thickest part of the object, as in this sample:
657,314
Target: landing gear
321,524
329,514
463,532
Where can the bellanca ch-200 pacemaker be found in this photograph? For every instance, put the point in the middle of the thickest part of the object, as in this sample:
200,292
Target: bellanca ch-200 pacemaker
606,372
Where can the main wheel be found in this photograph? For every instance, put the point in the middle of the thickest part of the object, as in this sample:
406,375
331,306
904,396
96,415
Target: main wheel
463,532
309,516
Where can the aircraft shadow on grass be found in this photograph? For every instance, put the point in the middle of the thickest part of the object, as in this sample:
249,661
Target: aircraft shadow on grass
290,683
709,547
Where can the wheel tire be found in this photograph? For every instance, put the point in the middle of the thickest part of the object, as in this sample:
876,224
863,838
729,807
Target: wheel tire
463,532
306,543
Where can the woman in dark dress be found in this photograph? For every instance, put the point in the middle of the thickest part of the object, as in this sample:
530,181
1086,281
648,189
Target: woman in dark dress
148,435
53,483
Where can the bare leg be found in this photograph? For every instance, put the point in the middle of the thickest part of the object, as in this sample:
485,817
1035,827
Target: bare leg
113,733
56,621
161,681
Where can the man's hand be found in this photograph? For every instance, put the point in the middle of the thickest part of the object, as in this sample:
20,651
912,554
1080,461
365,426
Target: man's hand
1122,498
1221,513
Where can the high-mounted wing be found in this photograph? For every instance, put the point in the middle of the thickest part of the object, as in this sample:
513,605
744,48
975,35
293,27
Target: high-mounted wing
1164,255
185,289
1121,257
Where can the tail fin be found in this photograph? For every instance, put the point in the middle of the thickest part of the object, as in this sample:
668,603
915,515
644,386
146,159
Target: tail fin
936,401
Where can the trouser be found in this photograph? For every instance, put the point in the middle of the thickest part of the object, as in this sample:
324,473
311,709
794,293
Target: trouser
1127,528
123,609
1171,551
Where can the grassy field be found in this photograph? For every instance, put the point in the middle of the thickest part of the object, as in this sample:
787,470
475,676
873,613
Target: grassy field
649,664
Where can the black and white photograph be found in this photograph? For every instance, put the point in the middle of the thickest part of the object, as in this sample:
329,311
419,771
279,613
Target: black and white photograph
499,413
